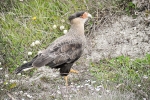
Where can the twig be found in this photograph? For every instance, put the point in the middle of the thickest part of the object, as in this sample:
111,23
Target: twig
12,98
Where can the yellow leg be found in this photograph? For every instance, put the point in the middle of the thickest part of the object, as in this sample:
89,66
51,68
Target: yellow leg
66,77
66,80
74,71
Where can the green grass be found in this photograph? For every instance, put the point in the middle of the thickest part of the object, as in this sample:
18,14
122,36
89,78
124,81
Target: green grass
127,73
19,29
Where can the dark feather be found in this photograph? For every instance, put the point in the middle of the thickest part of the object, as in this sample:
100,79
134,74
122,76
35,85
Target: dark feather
78,14
65,69
24,66
65,53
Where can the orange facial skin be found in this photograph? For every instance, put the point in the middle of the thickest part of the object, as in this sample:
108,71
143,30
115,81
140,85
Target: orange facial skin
85,15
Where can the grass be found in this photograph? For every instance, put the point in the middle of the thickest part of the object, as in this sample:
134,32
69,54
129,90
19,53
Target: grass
24,22
125,74
29,21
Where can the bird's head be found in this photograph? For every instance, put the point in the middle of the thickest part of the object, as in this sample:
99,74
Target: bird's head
79,17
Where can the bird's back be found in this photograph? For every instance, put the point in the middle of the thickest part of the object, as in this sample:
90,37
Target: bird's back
65,49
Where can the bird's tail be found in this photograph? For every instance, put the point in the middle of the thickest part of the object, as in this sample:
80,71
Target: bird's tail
25,66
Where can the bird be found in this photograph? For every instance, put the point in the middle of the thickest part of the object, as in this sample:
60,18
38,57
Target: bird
63,52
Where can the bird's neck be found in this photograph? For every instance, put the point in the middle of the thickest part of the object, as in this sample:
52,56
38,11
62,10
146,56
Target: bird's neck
77,29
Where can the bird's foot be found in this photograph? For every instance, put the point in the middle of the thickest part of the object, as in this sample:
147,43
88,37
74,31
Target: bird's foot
74,71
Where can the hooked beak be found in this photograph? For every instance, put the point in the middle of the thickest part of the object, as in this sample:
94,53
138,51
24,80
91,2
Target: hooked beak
89,15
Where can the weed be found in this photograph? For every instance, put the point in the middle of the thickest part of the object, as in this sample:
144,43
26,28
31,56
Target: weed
123,70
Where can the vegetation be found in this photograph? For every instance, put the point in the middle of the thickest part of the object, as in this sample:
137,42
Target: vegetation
24,22
29,21
28,26
125,73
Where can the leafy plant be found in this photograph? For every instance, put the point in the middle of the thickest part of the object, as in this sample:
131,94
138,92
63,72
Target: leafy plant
130,8
127,5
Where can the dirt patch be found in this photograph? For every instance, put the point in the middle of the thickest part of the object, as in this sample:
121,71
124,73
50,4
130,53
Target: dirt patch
127,36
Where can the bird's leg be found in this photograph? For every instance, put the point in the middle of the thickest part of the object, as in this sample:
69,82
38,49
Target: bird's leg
66,77
66,80
74,71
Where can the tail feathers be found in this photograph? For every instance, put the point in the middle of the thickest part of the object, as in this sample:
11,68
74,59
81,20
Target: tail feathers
25,66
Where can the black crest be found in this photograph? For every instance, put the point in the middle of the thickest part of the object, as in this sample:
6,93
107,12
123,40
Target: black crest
77,14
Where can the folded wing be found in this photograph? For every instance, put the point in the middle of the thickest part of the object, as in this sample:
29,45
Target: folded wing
61,53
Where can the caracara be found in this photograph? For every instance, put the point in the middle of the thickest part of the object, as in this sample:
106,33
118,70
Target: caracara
65,50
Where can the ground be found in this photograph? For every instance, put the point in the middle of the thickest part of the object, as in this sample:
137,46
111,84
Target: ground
125,36
48,85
